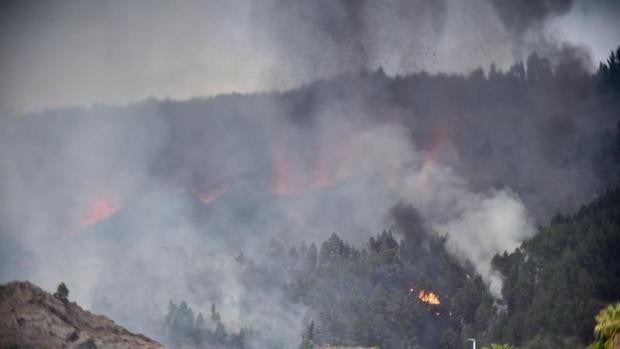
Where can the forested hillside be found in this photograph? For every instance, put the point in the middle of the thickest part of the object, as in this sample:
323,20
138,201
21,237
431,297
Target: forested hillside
557,282
341,174
402,289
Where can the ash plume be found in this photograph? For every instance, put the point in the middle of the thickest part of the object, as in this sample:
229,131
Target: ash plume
159,196
522,16
326,39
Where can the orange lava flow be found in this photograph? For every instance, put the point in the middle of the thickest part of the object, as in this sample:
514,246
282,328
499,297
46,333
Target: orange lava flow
209,195
101,209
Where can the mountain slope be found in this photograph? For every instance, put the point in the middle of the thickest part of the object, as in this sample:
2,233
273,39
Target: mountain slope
33,318
558,281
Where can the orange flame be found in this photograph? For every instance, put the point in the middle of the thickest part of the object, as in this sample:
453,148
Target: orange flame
428,297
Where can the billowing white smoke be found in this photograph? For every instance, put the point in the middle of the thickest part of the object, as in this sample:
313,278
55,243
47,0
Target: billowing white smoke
489,222
129,268
477,224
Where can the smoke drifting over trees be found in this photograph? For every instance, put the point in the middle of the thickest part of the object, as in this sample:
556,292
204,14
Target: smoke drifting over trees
480,159
158,197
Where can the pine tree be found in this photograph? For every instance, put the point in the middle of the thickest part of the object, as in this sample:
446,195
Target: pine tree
307,338
62,292
215,316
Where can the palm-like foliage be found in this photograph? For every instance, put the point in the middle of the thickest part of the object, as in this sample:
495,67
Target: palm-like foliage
607,325
498,346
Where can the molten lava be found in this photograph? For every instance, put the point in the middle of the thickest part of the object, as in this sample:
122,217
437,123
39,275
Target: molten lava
211,193
101,209
428,297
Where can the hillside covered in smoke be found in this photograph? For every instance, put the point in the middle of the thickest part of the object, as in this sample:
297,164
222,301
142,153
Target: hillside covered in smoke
402,289
179,199
297,173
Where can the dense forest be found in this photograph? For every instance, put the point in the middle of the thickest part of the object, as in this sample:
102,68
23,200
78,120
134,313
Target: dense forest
556,282
403,289
369,295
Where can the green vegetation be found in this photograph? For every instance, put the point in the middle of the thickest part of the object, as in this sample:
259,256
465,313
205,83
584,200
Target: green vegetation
607,327
556,282
369,296
373,294
554,285
609,72
498,346
62,292
307,338
182,328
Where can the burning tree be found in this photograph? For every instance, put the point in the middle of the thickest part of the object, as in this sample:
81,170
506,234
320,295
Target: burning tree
428,297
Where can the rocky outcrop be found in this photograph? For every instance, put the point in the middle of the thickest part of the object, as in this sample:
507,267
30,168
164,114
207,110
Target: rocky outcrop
33,318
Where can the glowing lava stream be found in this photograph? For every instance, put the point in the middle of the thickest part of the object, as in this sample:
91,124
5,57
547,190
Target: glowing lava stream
210,194
100,210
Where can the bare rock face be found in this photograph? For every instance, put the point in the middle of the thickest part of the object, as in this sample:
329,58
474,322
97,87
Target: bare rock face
33,318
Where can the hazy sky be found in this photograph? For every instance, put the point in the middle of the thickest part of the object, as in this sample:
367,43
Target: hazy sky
64,53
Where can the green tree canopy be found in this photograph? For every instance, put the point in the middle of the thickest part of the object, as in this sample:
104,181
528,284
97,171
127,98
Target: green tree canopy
62,292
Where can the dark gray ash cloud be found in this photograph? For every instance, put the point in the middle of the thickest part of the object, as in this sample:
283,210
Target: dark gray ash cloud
522,16
105,52
345,35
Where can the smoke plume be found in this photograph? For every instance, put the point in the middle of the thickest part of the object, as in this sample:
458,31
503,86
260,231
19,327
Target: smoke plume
158,197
